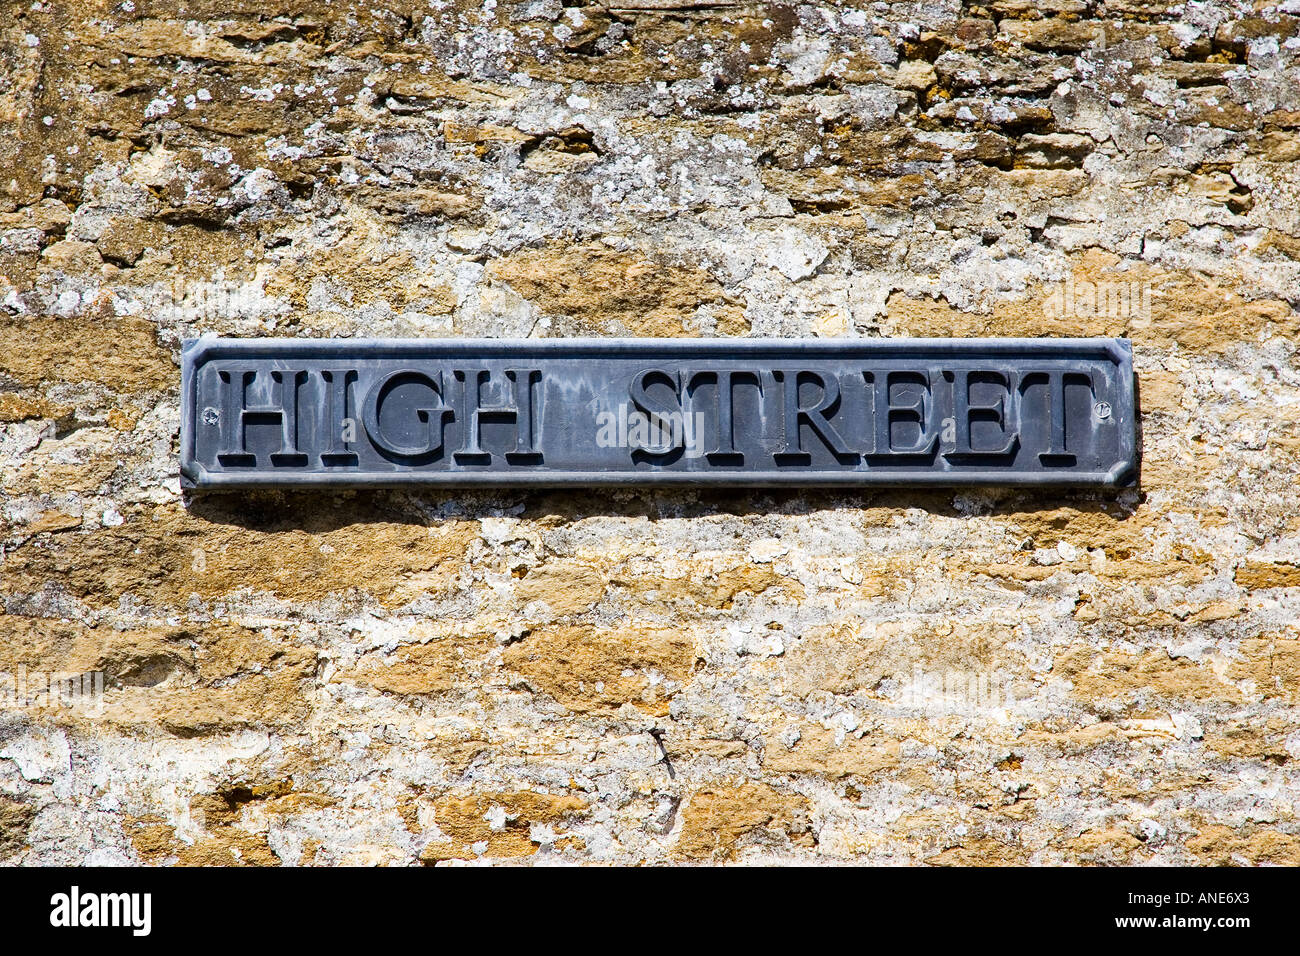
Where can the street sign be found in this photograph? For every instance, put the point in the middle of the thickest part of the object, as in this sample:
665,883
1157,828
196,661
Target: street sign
580,412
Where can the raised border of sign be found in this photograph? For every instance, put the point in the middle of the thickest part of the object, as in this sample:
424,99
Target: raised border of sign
1119,351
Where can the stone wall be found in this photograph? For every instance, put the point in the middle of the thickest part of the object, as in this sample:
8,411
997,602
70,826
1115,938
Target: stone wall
906,677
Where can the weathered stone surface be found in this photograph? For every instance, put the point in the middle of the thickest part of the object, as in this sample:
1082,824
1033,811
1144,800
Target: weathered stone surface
499,825
922,677
15,821
586,669
718,820
609,292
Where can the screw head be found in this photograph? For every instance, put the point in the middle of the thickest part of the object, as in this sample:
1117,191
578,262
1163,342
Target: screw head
211,416
1103,410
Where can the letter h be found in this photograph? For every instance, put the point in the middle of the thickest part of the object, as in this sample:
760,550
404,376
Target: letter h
237,415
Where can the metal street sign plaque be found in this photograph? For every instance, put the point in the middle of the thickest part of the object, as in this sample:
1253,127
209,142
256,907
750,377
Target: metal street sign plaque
576,412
